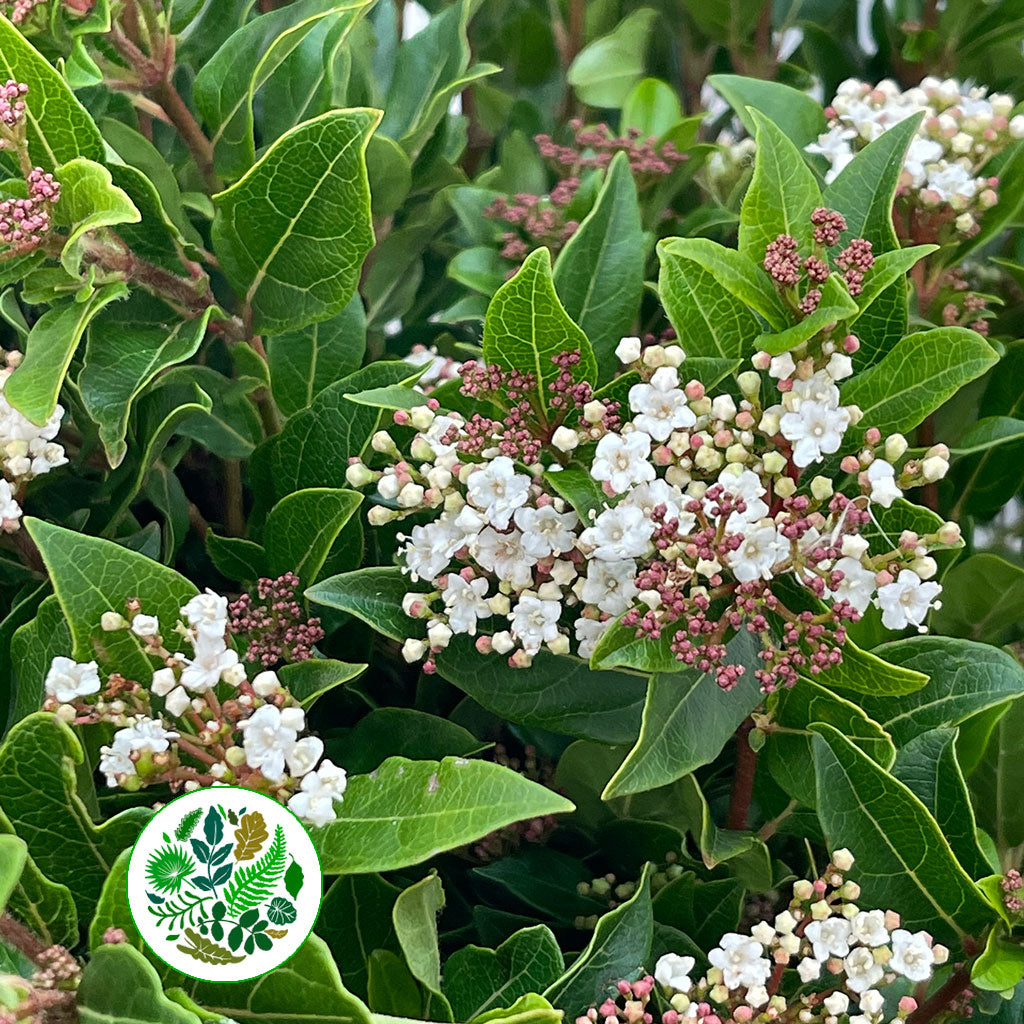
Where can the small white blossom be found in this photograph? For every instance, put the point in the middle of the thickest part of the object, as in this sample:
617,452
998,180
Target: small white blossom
588,632
207,613
871,1002
862,972
816,430
912,955
661,405
145,626
546,531
609,585
830,937
809,969
623,460
740,960
464,601
212,658
618,533
868,928
882,478
498,490
837,1003
673,972
68,679
269,738
857,585
907,600
304,754
505,555
535,622
761,548
319,790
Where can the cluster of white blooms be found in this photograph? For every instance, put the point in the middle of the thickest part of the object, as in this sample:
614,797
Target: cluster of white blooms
704,503
199,720
943,180
843,958
26,449
439,368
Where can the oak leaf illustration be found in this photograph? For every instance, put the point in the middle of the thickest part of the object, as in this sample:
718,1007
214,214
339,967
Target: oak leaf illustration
251,834
207,951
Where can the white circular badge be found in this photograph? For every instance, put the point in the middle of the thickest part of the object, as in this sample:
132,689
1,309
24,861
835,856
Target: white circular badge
224,884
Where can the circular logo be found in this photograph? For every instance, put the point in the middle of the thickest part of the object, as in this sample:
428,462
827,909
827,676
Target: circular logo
224,884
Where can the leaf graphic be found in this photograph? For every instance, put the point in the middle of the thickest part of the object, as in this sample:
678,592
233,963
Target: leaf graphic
187,825
168,867
253,884
251,835
293,878
213,827
206,951
281,911
276,933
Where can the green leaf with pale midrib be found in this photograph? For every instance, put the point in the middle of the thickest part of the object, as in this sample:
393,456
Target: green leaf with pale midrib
415,916
304,204
903,860
527,325
408,811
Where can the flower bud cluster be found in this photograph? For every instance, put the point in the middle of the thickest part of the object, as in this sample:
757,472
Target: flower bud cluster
943,191
199,720
691,520
26,450
21,9
824,959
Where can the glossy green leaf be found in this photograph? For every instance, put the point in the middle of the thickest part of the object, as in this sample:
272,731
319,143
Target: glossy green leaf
903,860
605,70
59,128
836,307
373,594
415,916
929,768
479,980
982,597
38,793
305,204
651,107
309,680
127,346
618,948
33,390
782,193
120,986
408,811
798,115
527,326
1001,965
964,678
558,693
994,785
599,274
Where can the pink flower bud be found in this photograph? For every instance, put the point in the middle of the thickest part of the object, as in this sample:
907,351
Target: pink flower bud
694,390
849,464
908,1004
401,417
851,343
872,436
883,578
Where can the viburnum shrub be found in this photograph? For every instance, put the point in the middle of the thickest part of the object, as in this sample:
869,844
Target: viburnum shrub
583,488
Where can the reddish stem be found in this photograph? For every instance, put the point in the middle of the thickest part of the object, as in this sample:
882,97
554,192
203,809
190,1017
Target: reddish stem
743,781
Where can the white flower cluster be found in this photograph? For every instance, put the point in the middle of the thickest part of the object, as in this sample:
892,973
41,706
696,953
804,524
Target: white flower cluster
699,502
846,956
26,449
963,128
439,368
212,725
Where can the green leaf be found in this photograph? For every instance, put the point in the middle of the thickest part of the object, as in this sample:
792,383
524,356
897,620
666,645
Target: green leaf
619,948
46,907
888,268
38,793
1001,966
929,768
782,193
479,980
738,274
798,115
982,598
91,576
120,986
789,754
558,693
355,919
527,325
227,84
302,527
408,811
998,799
13,857
711,319
89,200
304,362
127,346
34,645
687,721
605,70
237,558
429,70
406,732
58,127
415,916
965,678
651,107
373,594
706,910
916,377
903,860
33,389
305,203
579,488
307,681
599,274
314,448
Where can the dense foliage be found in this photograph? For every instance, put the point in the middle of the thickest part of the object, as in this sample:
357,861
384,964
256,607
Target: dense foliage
571,454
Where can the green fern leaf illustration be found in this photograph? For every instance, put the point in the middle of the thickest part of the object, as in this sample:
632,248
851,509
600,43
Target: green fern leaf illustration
187,825
253,884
